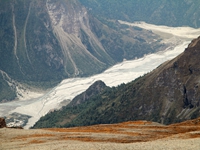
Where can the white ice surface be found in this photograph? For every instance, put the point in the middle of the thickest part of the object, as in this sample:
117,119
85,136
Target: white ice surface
184,32
118,74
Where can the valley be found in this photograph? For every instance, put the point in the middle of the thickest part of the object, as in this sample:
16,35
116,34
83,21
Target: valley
123,72
99,74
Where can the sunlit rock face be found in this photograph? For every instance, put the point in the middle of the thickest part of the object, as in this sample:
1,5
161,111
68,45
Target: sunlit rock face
70,16
70,20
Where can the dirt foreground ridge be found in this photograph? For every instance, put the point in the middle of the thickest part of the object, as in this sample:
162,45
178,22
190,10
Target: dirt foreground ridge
128,135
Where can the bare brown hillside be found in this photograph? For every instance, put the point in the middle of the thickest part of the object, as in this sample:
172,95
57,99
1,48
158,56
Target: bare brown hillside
127,135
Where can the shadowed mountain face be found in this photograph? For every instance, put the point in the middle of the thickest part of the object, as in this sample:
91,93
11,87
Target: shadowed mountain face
46,41
162,12
168,94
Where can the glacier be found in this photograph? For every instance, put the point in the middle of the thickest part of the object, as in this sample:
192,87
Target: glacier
124,72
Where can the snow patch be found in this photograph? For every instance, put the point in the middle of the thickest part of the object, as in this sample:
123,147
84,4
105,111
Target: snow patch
183,32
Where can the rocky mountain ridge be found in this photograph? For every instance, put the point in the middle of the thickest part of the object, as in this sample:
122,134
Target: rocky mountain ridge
170,13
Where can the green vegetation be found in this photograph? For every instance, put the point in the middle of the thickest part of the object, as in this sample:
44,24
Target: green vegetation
113,105
167,95
137,100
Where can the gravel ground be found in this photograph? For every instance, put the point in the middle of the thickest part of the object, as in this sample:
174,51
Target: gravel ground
128,136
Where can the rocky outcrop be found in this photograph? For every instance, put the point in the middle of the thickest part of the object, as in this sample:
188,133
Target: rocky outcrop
95,89
2,123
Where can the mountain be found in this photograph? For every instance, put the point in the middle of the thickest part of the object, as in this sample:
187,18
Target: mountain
168,94
46,41
162,12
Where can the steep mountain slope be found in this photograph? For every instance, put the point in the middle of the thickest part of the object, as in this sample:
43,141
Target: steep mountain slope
46,41
65,114
170,13
168,94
